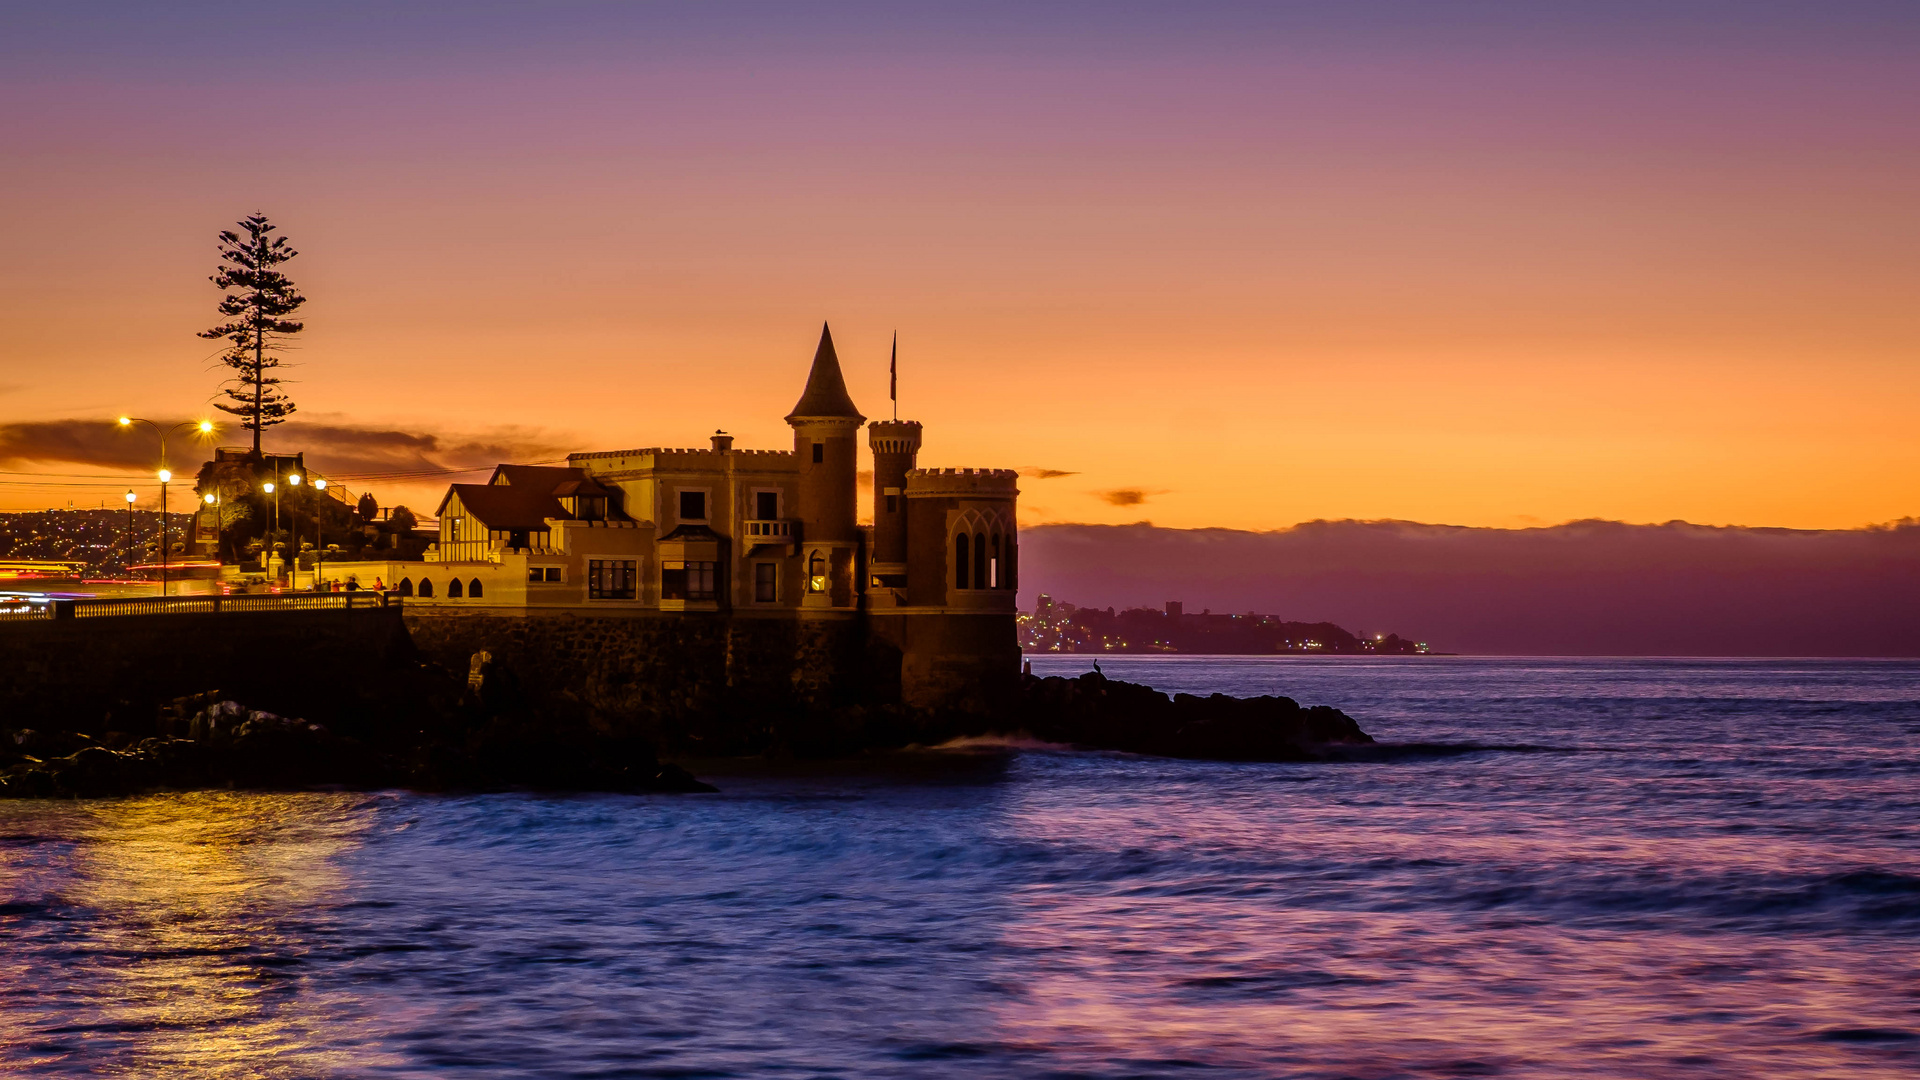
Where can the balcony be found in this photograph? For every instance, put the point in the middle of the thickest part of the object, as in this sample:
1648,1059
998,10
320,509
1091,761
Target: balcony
756,532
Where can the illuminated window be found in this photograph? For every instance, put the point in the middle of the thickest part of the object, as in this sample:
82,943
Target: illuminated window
816,573
609,579
766,582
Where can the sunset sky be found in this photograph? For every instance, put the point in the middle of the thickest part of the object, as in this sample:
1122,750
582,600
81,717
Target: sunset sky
1220,264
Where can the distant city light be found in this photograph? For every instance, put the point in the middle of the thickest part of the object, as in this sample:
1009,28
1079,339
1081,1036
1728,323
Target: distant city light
206,426
126,421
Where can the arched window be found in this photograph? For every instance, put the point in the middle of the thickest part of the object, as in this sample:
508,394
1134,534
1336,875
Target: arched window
979,560
473,588
1007,569
405,588
816,571
453,589
961,560
997,569
426,587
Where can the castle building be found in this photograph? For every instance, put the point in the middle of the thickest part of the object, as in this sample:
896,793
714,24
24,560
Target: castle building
747,534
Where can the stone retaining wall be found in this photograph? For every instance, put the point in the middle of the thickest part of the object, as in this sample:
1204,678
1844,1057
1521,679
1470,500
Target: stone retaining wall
113,673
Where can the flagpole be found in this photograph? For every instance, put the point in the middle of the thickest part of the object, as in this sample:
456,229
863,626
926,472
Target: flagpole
893,375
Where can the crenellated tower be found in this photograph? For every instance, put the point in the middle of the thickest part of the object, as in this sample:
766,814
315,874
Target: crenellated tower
826,429
896,447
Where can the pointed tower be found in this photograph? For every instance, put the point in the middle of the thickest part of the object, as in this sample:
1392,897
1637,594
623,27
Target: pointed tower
826,430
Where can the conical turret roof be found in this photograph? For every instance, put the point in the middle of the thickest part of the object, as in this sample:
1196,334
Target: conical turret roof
826,392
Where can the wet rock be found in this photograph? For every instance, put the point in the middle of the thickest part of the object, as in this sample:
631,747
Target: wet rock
1095,712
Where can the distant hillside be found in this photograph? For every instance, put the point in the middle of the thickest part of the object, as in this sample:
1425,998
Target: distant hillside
99,538
1586,588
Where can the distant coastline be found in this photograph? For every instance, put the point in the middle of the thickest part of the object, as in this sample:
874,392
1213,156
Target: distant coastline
1054,627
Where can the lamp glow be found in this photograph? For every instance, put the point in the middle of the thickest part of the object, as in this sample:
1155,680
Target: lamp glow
267,487
206,427
165,475
130,495
126,421
294,479
320,485
208,499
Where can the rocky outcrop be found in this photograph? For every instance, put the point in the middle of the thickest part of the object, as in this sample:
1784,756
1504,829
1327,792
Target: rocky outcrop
1095,712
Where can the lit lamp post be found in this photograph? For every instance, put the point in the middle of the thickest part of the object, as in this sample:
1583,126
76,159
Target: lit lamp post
204,427
319,537
212,500
273,489
165,476
293,538
129,559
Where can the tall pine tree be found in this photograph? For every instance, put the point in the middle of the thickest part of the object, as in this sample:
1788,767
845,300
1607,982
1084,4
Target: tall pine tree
256,305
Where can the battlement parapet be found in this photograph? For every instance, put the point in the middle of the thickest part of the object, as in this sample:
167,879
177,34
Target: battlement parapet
677,453
894,436
968,483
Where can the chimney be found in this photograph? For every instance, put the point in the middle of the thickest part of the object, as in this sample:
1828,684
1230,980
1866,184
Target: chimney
722,442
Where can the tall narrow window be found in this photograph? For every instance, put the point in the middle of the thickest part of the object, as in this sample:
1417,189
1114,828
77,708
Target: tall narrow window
993,564
962,559
766,582
1008,572
816,573
892,503
819,452
979,560
766,505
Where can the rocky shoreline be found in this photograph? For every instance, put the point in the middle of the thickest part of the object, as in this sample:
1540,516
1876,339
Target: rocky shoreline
488,736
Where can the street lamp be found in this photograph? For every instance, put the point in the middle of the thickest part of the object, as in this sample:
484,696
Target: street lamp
204,427
129,560
319,537
272,489
212,499
165,478
293,537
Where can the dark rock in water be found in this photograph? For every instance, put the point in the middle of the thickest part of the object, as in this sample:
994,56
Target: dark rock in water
1096,712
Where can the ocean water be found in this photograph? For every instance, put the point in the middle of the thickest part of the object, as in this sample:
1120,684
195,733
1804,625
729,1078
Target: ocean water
1599,868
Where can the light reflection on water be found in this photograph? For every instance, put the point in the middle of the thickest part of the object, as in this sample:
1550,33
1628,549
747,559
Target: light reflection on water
1669,868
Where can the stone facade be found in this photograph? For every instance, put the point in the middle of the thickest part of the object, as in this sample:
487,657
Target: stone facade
746,535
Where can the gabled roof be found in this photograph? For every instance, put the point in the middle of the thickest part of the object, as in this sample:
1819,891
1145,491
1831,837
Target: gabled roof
826,392
544,477
505,506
